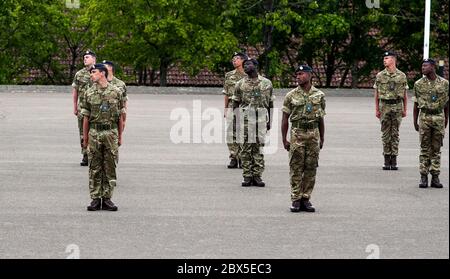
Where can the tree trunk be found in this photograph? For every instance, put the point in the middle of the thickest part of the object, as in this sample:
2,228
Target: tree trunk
163,68
355,75
268,38
73,62
344,77
139,76
152,77
145,75
329,72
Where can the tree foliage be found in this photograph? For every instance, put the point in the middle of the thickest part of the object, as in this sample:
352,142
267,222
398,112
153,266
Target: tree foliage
151,36
159,34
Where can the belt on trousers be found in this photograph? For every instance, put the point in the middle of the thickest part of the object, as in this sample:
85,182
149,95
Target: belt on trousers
305,126
102,126
391,102
431,111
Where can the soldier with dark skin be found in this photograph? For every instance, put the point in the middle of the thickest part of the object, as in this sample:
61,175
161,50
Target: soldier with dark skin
304,108
253,96
80,85
231,78
430,115
390,107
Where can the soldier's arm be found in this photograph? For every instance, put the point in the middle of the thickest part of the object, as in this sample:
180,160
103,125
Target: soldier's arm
405,97
446,108
75,101
123,110
446,114
405,103
322,131
272,98
86,112
269,124
416,116
377,104
120,127
226,98
237,111
415,109
125,104
123,113
226,104
75,87
85,131
236,97
284,130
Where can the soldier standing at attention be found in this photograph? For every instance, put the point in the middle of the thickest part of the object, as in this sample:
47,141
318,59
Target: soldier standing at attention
228,89
431,100
390,107
119,84
81,83
102,128
253,95
304,107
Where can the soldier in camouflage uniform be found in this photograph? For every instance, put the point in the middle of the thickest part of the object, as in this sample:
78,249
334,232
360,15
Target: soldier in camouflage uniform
390,107
228,89
119,84
253,95
305,108
81,83
102,127
431,100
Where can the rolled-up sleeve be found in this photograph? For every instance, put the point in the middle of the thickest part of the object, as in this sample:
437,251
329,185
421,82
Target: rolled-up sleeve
85,107
75,82
237,94
287,104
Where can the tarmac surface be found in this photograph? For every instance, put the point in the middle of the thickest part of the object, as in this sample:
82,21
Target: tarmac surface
180,200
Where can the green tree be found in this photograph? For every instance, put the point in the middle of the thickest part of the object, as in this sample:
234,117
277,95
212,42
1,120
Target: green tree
160,34
41,35
269,26
403,30
346,37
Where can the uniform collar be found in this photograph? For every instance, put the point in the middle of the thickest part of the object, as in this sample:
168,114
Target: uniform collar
311,90
438,78
393,73
259,78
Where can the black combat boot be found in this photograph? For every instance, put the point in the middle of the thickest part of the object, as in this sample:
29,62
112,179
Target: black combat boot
247,181
233,163
107,204
435,183
305,205
257,181
84,161
387,162
95,205
295,207
394,162
423,181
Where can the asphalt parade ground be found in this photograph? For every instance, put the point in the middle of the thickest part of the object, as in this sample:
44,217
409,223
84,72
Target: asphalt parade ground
178,200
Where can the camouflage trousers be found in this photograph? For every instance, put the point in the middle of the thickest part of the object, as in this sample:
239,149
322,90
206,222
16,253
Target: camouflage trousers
390,125
303,162
431,130
103,153
80,130
231,132
252,138
252,159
